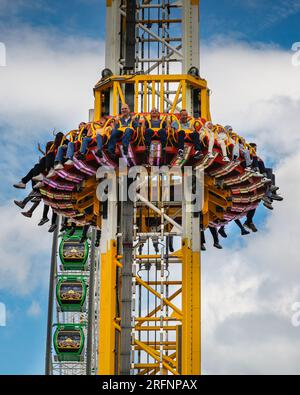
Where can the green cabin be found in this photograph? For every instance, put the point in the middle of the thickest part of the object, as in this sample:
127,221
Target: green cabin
71,293
68,342
73,254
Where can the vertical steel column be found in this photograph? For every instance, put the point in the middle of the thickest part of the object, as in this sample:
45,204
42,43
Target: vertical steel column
48,367
91,307
126,292
191,290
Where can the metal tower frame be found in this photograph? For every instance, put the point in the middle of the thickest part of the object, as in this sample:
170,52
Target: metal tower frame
149,319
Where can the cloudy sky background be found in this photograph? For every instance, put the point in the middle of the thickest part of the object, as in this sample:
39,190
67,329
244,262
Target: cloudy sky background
54,57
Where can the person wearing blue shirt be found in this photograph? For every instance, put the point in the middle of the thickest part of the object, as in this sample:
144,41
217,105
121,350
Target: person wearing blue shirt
124,121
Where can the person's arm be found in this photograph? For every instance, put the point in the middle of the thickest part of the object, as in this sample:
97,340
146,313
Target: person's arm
40,150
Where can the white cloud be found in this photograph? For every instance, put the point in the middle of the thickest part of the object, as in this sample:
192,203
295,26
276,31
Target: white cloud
25,252
47,84
34,309
248,291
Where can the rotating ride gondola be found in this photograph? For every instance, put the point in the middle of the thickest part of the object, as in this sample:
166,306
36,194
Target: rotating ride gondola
68,342
71,293
73,253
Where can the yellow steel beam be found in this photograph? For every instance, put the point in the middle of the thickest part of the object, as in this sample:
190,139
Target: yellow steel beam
173,296
176,97
107,329
166,301
191,334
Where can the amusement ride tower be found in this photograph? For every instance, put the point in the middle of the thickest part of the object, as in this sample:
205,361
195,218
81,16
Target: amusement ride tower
138,308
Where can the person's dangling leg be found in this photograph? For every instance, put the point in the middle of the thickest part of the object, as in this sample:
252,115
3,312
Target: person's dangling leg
222,231
170,243
249,221
211,145
112,142
99,145
215,236
98,238
29,213
84,233
197,145
180,144
202,239
240,225
22,203
224,150
147,137
126,140
45,218
53,222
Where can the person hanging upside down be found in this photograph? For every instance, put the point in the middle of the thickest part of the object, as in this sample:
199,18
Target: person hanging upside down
124,127
185,131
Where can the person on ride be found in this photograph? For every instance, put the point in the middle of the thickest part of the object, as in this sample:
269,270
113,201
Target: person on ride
67,149
184,128
45,164
222,140
88,138
240,146
157,123
128,124
207,131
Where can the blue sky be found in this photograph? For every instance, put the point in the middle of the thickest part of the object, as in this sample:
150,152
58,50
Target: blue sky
70,29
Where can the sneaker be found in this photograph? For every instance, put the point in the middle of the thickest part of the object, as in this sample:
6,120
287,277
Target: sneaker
244,232
180,153
248,168
52,228
69,162
198,155
20,204
266,199
274,196
203,248
39,177
274,188
51,173
58,166
99,153
226,159
97,243
34,194
36,199
257,174
27,214
39,185
80,156
20,185
250,226
222,232
211,156
268,205
218,246
43,221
